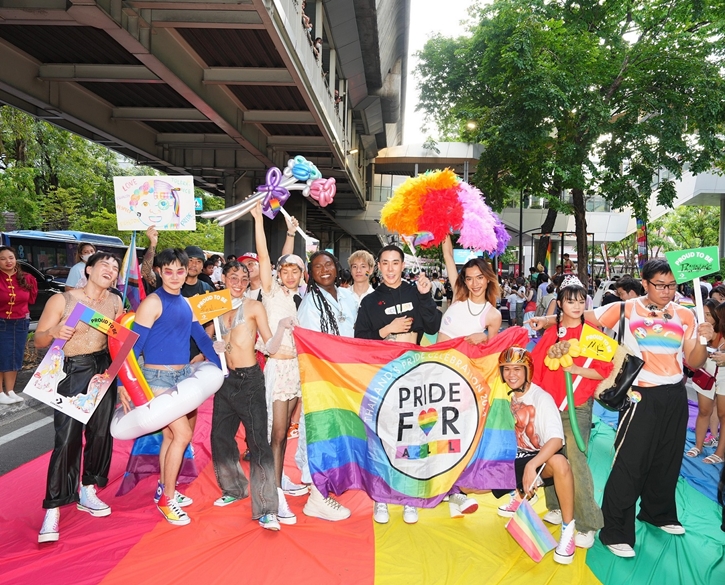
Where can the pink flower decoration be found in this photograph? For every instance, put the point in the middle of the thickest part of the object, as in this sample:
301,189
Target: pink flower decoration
323,191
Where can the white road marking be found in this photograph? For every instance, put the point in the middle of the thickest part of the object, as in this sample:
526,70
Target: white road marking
25,430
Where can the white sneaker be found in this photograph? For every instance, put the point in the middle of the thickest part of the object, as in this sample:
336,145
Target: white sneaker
284,514
410,514
460,504
5,399
225,501
380,513
621,550
50,532
182,500
584,539
324,508
673,528
293,489
508,510
553,517
564,553
91,503
270,522
15,397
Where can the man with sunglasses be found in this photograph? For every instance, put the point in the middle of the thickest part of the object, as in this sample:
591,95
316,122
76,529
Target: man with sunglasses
651,438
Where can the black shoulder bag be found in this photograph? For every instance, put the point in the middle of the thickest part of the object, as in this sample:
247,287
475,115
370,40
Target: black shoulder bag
612,392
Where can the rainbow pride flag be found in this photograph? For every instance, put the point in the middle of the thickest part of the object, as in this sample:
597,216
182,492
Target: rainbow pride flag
530,532
129,278
404,423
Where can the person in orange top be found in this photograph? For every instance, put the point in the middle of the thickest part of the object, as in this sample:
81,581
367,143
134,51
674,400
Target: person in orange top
651,435
17,292
586,374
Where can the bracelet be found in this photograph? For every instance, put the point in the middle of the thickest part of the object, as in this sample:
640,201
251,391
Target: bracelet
291,235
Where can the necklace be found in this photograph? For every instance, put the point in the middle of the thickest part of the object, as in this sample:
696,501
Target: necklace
654,309
103,296
468,304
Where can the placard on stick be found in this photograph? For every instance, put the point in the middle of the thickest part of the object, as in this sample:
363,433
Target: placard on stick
166,202
689,264
43,386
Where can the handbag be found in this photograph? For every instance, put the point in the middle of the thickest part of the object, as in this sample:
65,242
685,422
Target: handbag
612,392
703,379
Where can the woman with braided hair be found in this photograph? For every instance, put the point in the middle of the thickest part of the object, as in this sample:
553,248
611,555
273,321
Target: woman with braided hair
326,308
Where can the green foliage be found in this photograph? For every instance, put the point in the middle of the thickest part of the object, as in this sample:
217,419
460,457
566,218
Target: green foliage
688,226
594,97
55,180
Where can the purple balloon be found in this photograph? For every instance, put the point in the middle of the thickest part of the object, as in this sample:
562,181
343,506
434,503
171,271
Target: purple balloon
275,196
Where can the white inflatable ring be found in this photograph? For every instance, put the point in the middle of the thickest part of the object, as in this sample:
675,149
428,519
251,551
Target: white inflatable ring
165,408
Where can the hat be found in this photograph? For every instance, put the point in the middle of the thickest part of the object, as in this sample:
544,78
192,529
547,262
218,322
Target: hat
248,256
195,252
291,259
571,280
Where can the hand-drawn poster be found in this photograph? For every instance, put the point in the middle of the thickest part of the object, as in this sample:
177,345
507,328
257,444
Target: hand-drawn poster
166,202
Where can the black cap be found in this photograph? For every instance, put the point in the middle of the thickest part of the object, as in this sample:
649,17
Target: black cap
195,252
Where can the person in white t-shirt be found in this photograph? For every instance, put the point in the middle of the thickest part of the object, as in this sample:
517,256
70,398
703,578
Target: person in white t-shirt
362,265
539,438
473,313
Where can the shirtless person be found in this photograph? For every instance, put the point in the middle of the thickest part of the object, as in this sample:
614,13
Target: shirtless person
242,399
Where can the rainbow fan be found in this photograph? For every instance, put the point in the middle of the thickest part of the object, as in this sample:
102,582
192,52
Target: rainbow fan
435,203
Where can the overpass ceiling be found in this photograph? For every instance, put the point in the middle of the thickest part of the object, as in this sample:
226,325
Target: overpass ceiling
213,89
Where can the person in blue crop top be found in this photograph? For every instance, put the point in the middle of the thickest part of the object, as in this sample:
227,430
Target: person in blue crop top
165,323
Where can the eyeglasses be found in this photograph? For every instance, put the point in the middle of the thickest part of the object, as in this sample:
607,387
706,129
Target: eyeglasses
659,286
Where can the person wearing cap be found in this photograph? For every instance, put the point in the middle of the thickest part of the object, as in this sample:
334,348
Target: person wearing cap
539,440
196,283
251,261
280,297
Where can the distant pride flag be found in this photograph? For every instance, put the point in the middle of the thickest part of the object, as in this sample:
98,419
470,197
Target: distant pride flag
406,424
129,278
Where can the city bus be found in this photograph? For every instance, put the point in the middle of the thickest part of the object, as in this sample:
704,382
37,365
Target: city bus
54,253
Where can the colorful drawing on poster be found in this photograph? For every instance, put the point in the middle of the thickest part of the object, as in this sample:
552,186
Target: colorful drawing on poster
43,386
165,202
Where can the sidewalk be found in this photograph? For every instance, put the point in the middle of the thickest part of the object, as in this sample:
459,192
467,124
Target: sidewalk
24,376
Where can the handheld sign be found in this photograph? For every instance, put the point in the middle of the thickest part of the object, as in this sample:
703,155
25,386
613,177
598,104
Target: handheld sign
211,306
596,345
691,264
593,345
43,385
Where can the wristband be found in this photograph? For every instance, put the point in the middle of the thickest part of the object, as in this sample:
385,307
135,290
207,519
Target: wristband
290,235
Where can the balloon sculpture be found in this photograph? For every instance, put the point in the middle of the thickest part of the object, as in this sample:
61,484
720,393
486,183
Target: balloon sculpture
150,412
430,205
299,175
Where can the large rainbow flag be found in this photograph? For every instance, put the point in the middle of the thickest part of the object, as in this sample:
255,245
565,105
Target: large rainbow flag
406,424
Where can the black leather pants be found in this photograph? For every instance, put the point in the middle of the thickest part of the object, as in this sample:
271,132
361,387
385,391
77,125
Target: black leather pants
65,461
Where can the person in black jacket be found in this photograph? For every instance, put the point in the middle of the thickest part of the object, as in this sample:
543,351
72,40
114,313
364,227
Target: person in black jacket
397,311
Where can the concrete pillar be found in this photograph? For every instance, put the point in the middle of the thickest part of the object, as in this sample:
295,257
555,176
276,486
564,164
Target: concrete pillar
343,249
238,235
331,76
318,22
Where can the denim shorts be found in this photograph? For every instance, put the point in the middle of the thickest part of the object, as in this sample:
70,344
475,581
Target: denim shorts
161,380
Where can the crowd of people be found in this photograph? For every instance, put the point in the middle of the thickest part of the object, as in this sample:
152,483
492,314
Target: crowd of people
263,388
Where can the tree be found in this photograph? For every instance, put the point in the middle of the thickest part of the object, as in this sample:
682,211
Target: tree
587,96
55,180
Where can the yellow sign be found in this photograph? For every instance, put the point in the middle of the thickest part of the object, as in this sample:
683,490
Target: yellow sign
594,344
210,305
